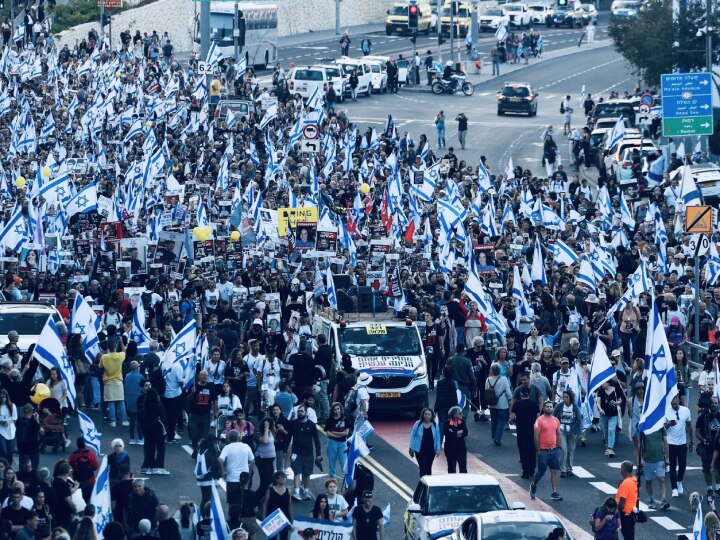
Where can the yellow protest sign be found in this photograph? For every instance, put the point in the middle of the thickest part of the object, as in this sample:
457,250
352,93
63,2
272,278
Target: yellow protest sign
289,217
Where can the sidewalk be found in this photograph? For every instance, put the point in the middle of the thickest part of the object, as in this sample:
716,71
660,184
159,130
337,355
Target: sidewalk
323,35
476,78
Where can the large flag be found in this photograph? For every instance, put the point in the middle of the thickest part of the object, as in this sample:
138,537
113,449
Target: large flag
586,275
617,132
214,56
14,235
219,527
564,253
84,321
688,189
100,498
182,346
85,201
537,272
50,352
357,449
601,370
637,283
138,333
89,433
699,523
662,383
331,291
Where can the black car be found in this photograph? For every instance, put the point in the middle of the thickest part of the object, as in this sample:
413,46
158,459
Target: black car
517,98
567,16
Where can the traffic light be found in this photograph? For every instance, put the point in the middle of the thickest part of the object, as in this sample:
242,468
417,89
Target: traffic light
413,16
562,2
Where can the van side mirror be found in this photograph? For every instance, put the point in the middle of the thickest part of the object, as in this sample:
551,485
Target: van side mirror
413,508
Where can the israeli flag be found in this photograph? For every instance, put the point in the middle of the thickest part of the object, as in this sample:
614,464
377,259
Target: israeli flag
638,282
475,290
214,56
89,432
332,293
14,235
688,189
138,333
625,213
100,498
84,321
525,311
219,527
562,253
316,99
462,400
617,132
537,272
358,449
601,370
699,523
230,119
84,202
586,275
241,68
386,515
202,215
501,33
50,352
582,94
662,382
656,172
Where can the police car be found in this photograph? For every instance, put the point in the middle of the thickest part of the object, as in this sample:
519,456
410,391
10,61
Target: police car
442,502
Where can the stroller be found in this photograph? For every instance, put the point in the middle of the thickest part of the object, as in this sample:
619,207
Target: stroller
53,426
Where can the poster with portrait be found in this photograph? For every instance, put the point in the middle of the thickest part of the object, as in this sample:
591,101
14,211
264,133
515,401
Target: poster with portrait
327,240
169,247
107,261
133,294
134,250
272,300
30,258
123,271
378,250
274,324
52,242
305,235
207,266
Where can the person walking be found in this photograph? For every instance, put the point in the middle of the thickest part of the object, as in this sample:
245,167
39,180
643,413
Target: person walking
570,418
455,431
337,429
278,497
113,390
497,395
152,413
606,520
354,82
345,44
462,128
429,67
680,440
425,441
440,128
627,498
463,374
495,59
303,435
234,459
199,406
445,395
368,520
607,408
525,412
591,32
548,441
207,468
654,450
566,110
366,46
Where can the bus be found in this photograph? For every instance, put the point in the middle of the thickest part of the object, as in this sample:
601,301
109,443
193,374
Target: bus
261,30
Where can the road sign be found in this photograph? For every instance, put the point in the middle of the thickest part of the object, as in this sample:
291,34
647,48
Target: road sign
699,244
311,131
644,108
687,104
204,68
647,99
698,219
644,119
309,146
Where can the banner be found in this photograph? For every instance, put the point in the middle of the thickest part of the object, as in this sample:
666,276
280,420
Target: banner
289,217
274,523
327,530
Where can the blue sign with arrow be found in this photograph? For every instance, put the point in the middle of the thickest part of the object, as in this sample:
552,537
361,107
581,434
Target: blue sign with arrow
687,104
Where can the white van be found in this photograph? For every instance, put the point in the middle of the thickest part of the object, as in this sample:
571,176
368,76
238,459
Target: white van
378,74
389,350
362,70
305,80
337,79
402,65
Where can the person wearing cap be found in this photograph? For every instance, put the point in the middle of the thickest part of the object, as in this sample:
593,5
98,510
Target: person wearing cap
303,368
257,333
368,520
568,413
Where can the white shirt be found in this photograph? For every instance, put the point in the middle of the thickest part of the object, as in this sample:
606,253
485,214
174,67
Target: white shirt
26,502
705,377
226,291
174,381
236,458
253,363
337,504
362,395
677,434
309,412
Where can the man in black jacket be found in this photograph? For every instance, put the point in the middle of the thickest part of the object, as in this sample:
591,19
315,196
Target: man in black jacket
525,412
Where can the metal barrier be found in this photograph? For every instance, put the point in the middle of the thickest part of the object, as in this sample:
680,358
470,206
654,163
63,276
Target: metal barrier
702,349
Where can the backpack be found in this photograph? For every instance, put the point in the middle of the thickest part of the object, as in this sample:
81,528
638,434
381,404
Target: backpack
83,467
573,324
351,401
562,107
592,518
489,395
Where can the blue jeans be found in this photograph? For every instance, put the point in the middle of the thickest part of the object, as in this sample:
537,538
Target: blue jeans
335,452
121,412
547,458
7,447
498,421
441,136
609,424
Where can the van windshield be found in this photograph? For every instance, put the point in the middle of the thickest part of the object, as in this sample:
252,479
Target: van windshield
398,10
398,340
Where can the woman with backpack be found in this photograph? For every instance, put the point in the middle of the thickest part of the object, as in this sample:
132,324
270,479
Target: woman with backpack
605,522
497,396
455,431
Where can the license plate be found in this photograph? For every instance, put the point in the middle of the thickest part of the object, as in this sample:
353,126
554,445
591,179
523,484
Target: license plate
388,395
707,184
515,99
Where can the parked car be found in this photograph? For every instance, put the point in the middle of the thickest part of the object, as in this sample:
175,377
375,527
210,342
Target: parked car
540,13
337,79
517,98
707,178
590,13
28,319
615,108
362,70
493,18
569,15
519,14
378,74
625,9
505,524
305,80
442,501
618,160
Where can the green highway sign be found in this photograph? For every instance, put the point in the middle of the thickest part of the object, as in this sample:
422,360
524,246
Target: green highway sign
678,127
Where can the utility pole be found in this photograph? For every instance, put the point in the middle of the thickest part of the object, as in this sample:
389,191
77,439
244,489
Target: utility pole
102,22
236,33
473,28
337,17
452,31
709,29
439,5
205,36
12,20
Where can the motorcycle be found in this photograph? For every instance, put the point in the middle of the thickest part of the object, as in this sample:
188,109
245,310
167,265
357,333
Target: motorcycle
440,85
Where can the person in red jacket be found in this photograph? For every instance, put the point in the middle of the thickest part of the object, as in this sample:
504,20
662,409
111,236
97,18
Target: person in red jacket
84,463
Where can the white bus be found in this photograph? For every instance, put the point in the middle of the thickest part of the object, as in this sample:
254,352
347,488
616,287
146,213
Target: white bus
261,23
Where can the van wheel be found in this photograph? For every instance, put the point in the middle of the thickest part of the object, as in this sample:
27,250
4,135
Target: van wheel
369,90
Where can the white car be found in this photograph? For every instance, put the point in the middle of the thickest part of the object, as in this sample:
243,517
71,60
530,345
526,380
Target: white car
540,12
337,79
525,525
402,65
519,14
441,502
306,80
27,319
378,74
362,70
493,18
707,178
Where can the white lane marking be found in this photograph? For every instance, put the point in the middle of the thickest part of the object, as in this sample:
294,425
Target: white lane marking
582,472
668,523
314,48
582,73
616,465
611,490
189,450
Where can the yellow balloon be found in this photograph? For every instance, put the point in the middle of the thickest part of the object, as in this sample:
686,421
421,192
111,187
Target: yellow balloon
46,171
117,73
364,189
39,392
148,123
20,182
196,231
235,236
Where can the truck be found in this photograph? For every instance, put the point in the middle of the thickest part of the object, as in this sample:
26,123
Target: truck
390,350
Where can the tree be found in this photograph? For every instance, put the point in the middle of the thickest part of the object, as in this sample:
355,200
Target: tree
654,43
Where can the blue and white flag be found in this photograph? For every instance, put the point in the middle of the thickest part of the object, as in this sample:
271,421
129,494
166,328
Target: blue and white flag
699,532
525,311
637,283
138,333
563,253
14,235
501,33
219,529
50,352
357,449
84,202
617,133
100,498
89,433
537,272
662,382
586,275
274,524
582,94
601,370
182,346
656,172
331,292
84,321
202,215
386,515
688,189
214,56
462,400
